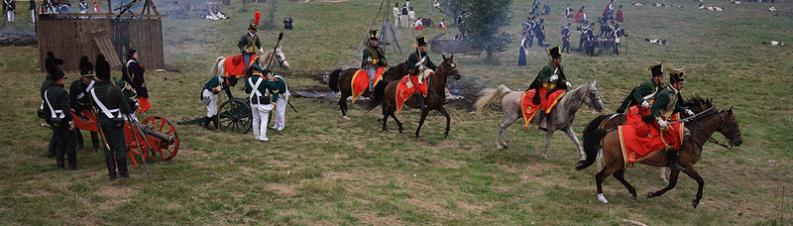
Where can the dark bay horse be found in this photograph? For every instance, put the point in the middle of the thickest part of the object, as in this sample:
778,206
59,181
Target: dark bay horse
701,129
436,96
340,80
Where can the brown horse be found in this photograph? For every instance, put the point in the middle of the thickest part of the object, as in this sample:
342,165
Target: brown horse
436,96
340,80
701,128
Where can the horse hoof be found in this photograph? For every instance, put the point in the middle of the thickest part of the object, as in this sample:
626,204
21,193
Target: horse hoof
695,203
650,195
345,118
602,198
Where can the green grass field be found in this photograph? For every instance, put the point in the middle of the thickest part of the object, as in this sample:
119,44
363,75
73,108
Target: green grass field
327,171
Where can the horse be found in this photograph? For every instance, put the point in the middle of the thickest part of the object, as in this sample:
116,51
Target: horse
561,117
385,94
701,128
218,69
340,80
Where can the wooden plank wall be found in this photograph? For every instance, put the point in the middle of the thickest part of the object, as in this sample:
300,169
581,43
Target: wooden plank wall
71,37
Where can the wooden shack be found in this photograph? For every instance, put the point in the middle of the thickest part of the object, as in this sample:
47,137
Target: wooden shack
70,36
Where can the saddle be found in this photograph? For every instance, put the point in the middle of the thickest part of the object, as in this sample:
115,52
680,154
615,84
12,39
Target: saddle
360,82
547,102
234,66
408,85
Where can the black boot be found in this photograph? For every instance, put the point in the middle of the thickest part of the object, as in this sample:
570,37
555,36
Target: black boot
216,121
674,159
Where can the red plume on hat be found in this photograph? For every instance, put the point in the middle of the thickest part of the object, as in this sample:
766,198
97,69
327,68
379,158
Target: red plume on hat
257,16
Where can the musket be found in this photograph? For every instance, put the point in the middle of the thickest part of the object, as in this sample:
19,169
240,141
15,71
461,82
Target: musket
277,43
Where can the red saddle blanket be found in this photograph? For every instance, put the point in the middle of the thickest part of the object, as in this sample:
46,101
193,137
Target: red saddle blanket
233,65
547,102
640,140
405,90
360,82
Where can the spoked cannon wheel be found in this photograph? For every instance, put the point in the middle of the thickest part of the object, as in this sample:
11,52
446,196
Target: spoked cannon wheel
235,116
167,149
137,146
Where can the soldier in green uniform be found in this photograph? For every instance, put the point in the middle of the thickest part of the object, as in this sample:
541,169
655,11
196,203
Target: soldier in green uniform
549,80
79,99
260,89
418,62
373,58
666,103
249,43
209,96
112,105
55,110
646,91
281,98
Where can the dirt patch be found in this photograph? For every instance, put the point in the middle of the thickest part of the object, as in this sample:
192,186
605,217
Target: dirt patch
438,210
282,189
369,218
115,195
474,208
337,175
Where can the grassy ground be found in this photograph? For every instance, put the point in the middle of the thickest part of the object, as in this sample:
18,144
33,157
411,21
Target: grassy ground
323,170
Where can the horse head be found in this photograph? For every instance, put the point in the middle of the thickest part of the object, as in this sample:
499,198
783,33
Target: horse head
280,58
592,97
730,128
449,68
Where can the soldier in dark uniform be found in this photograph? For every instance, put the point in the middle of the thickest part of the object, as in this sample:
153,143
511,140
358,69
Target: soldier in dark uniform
134,77
666,103
249,43
111,106
52,66
645,93
418,62
551,79
79,99
209,95
565,32
56,112
373,58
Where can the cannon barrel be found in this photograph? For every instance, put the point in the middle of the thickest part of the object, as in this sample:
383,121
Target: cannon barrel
151,132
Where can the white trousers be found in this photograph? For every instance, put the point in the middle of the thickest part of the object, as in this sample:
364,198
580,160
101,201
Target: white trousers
260,116
211,101
33,15
10,16
280,111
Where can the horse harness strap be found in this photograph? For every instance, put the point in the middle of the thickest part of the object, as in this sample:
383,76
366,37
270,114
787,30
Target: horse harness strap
107,112
53,113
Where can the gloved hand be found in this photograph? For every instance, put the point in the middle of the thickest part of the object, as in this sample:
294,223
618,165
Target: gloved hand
689,112
569,85
663,123
554,78
421,68
645,104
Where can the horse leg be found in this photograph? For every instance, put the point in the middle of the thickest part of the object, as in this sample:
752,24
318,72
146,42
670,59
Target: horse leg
424,112
548,136
620,175
343,107
599,178
448,122
502,127
572,136
662,174
399,124
700,184
385,118
672,182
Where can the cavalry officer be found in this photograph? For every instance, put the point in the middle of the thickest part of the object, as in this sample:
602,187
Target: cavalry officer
549,80
418,62
281,97
209,95
112,106
645,93
373,58
665,104
135,71
79,99
249,43
55,110
259,88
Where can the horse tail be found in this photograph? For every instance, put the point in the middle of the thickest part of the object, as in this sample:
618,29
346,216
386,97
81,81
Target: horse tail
377,96
214,70
592,137
490,94
333,80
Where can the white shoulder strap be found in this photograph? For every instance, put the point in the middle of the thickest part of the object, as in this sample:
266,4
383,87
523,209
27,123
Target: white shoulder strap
53,113
651,95
255,87
107,112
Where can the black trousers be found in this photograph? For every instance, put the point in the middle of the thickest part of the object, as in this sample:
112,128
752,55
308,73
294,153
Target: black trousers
116,157
78,136
63,144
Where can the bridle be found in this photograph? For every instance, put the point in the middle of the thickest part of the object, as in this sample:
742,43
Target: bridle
709,112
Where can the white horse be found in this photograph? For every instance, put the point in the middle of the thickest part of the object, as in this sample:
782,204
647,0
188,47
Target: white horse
263,60
561,117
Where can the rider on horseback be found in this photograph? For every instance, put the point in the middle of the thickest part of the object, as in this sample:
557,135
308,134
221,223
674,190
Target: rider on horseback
645,93
549,80
666,103
249,43
373,58
417,63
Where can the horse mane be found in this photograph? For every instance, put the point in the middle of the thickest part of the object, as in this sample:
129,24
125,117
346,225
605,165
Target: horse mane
566,98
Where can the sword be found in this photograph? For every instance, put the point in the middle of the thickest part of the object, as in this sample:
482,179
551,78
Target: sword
291,106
